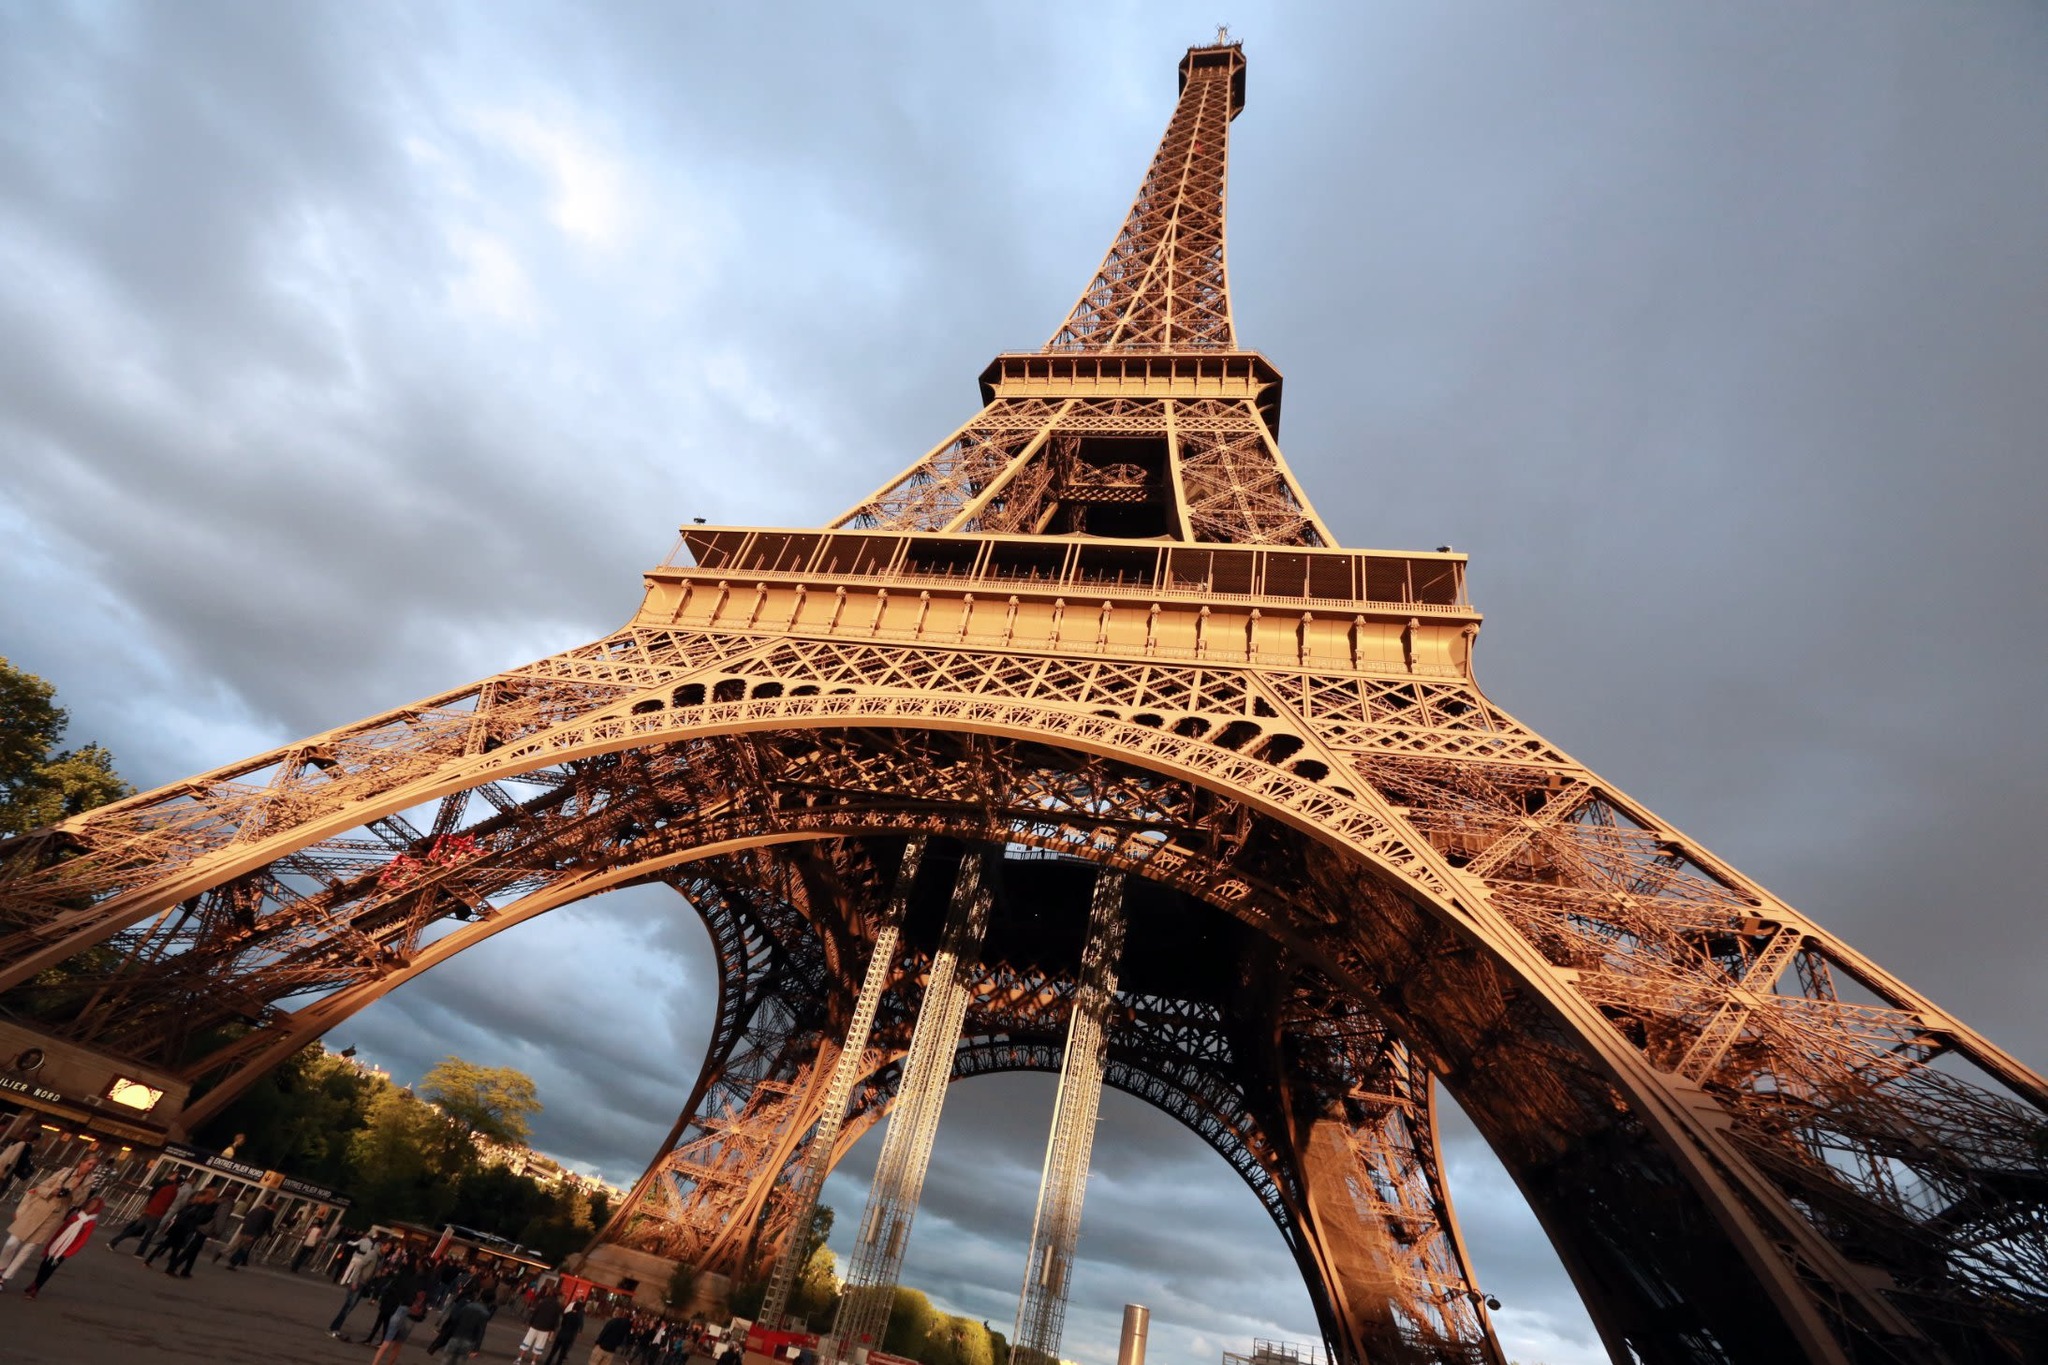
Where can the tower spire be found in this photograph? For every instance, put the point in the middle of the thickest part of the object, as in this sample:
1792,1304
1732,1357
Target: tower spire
1163,284
1141,419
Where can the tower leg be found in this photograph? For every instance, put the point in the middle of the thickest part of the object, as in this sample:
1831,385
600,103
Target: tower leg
849,1068
884,1231
1042,1307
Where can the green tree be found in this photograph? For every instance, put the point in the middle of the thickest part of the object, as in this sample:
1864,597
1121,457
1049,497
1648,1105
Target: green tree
681,1283
302,1117
39,783
911,1320
819,1231
399,1175
815,1295
498,1200
401,1158
495,1101
745,1298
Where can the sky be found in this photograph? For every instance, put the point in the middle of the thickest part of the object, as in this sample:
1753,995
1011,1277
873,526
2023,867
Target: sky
349,352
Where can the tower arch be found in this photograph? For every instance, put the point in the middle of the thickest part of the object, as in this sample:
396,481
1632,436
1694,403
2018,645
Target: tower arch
1102,617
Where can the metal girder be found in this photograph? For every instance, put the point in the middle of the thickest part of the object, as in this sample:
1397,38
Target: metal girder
1737,1156
1602,911
846,1071
1056,1225
884,1232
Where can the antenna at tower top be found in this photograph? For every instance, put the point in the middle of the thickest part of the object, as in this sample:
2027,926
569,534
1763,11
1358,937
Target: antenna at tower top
1222,35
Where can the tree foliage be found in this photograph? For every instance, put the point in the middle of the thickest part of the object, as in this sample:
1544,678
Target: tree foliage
682,1282
923,1333
815,1295
495,1101
41,784
911,1319
746,1296
400,1157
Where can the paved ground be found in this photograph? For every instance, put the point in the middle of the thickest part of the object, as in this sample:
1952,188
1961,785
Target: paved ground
105,1308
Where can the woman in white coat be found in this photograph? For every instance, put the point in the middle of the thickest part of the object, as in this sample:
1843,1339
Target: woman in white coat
40,1215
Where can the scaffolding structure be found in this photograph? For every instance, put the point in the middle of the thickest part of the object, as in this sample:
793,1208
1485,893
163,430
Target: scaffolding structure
1056,1227
846,1073
878,1247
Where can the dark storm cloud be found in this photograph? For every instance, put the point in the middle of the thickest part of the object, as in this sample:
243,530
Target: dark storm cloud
350,352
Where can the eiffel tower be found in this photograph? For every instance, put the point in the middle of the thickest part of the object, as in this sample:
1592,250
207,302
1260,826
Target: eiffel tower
1083,746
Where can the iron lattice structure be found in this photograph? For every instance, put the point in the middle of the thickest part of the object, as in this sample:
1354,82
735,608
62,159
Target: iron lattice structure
1100,626
1056,1224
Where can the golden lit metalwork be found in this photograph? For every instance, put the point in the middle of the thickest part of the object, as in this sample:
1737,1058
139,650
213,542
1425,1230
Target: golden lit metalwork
1100,625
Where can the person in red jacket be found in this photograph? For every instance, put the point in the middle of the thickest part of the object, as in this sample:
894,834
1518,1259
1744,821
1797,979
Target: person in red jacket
145,1224
69,1241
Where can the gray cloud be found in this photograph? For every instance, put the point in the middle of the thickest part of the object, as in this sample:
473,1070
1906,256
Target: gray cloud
355,351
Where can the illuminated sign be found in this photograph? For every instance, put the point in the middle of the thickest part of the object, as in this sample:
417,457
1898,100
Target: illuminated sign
9,1083
134,1094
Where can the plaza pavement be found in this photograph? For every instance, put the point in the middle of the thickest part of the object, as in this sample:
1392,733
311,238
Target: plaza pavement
105,1308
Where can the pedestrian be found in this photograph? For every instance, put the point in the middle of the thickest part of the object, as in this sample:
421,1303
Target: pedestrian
399,1324
344,1253
565,1335
400,1286
444,1282
178,1224
18,1161
255,1226
610,1338
540,1329
355,1279
36,1220
206,1216
81,1176
69,1241
464,1330
314,1232
186,1190
145,1223
446,1322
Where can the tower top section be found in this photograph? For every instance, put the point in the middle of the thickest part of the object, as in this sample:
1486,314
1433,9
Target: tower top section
1163,285
1142,419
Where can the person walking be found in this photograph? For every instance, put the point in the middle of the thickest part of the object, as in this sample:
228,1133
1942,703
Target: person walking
179,1222
565,1335
464,1330
82,1176
540,1329
206,1216
345,1254
186,1189
444,1282
308,1244
36,1220
399,1323
69,1241
18,1161
610,1338
145,1223
400,1286
256,1225
362,1268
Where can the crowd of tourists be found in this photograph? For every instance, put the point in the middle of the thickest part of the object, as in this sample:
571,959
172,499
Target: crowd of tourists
405,1286
408,1287
59,1211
